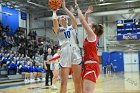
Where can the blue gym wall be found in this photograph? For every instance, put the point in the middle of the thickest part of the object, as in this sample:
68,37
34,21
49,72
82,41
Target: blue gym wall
117,61
116,58
104,58
12,21
0,14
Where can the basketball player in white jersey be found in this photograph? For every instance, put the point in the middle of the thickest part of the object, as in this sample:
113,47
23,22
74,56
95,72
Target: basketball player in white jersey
70,52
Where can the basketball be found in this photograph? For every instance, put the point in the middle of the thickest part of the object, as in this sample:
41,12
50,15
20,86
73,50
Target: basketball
54,4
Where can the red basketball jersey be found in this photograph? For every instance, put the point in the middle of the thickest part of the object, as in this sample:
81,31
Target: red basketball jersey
90,50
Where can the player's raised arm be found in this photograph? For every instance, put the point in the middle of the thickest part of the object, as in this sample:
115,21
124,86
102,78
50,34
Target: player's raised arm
70,14
55,23
91,35
88,12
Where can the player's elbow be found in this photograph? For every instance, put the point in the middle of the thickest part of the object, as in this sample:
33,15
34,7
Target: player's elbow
55,30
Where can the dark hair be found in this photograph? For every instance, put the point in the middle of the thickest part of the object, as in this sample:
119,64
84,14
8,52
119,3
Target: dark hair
98,29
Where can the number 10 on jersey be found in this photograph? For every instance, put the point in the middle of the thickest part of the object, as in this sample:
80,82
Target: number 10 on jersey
67,34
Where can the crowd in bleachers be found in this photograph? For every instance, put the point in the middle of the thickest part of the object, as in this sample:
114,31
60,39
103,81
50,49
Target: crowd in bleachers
16,63
23,53
6,38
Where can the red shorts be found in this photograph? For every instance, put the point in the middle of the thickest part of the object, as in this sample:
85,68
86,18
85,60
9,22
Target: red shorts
70,72
91,71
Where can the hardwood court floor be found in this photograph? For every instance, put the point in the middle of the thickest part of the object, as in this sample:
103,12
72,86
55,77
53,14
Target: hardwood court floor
115,83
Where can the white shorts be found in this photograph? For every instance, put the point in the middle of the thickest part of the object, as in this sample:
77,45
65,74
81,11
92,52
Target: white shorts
70,55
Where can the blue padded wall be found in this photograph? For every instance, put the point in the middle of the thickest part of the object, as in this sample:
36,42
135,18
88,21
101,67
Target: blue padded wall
117,61
13,20
116,58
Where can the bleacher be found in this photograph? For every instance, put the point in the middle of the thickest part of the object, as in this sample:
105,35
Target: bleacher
4,77
8,41
17,45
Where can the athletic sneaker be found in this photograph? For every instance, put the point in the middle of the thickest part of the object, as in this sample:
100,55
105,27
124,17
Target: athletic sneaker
38,79
53,87
26,81
70,76
32,80
43,79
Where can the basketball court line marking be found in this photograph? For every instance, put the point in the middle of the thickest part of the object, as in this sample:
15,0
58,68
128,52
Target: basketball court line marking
17,85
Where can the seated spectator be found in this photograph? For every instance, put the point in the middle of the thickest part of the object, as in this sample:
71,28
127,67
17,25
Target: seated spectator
4,61
31,70
20,64
25,72
35,72
41,72
1,26
7,29
18,56
12,67
1,56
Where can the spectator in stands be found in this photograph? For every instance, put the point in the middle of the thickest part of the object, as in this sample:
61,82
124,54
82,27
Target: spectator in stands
30,51
22,49
55,48
1,56
25,71
7,29
31,69
11,54
1,26
36,72
32,35
10,33
18,56
15,53
22,55
39,58
20,64
12,68
1,30
41,72
10,42
11,57
4,61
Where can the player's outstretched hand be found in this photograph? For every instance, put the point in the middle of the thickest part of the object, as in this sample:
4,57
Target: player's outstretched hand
89,10
63,4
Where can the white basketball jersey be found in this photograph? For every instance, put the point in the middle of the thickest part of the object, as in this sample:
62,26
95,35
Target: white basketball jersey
67,36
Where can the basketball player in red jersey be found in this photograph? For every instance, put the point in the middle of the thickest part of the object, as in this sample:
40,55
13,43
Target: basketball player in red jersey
91,61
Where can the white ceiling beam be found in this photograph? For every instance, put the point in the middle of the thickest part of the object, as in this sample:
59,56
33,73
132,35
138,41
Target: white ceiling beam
116,12
28,1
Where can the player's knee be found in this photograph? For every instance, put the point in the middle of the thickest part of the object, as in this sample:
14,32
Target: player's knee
77,76
63,83
78,81
86,89
55,76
